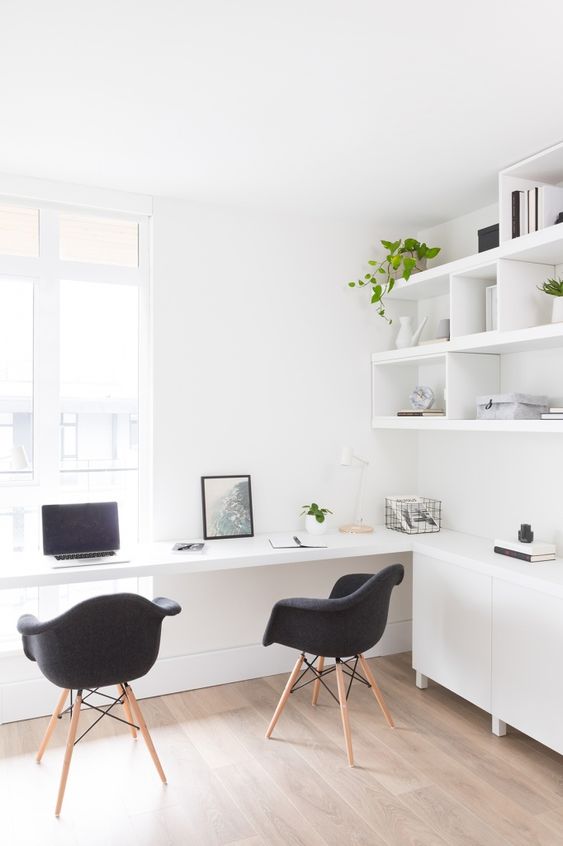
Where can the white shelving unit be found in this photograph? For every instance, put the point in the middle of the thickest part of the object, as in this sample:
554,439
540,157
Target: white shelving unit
475,361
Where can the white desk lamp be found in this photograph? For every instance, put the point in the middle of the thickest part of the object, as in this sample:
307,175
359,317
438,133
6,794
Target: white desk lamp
17,458
347,459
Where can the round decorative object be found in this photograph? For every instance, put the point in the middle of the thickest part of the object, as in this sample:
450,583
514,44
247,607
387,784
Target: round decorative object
422,398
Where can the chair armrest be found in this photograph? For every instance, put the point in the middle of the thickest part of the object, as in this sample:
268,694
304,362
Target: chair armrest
168,607
28,625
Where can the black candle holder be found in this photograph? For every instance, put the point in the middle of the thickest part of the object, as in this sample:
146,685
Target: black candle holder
525,534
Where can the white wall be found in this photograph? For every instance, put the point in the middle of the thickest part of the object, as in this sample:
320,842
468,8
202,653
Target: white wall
489,483
458,237
262,366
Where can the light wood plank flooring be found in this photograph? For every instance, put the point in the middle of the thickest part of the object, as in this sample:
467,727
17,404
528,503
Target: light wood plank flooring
439,779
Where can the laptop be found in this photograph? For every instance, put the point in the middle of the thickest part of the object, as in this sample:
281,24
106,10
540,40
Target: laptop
81,533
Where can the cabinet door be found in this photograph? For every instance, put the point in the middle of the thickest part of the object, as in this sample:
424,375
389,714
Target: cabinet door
452,627
527,666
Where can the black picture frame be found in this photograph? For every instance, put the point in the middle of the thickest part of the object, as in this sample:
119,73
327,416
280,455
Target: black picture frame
210,529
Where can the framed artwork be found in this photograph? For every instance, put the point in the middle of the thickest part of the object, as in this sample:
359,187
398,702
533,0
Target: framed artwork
227,507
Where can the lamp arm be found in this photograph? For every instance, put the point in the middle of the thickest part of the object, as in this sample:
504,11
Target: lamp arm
360,500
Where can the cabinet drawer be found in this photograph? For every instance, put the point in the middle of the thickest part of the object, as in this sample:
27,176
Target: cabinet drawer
452,627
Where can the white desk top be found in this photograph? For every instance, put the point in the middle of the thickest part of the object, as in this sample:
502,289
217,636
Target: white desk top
155,559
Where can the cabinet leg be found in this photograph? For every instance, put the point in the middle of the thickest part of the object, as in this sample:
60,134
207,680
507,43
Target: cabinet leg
498,727
421,681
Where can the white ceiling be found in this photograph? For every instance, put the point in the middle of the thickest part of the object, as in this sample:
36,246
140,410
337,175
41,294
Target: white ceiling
396,111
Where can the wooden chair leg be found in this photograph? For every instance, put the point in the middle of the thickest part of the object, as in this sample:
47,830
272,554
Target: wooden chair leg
376,691
285,695
344,712
69,748
127,710
144,731
316,683
52,723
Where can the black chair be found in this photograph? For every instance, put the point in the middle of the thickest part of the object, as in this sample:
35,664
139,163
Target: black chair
343,627
104,641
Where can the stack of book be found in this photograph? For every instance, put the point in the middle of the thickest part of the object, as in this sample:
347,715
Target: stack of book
423,412
555,413
532,552
535,208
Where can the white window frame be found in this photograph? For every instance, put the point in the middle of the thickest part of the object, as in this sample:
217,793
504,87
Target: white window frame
45,271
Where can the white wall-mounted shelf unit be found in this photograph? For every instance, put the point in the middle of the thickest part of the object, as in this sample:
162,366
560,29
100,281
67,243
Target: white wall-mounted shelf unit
480,359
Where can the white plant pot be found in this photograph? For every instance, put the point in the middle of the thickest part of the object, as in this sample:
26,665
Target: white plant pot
557,312
312,527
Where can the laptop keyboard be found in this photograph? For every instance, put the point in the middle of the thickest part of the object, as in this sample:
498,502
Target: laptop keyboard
74,555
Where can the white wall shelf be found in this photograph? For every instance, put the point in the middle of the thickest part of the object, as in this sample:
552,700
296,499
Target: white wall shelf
501,336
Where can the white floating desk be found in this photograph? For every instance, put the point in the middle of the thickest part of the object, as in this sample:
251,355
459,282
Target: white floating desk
157,559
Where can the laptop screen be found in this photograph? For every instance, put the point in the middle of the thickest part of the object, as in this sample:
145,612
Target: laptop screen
80,527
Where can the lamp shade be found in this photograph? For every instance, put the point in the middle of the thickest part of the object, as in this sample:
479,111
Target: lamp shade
347,457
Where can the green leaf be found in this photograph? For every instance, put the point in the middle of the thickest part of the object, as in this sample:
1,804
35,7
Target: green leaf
373,263
386,244
377,291
432,252
410,244
409,264
320,518
406,275
396,262
381,270
367,276
422,251
351,284
390,286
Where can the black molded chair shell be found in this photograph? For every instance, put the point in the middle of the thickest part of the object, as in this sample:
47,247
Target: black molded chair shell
349,622
99,642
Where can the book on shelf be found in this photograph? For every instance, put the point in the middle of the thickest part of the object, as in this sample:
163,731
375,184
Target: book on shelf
556,410
432,341
491,308
429,412
530,549
519,213
535,208
532,209
521,556
552,415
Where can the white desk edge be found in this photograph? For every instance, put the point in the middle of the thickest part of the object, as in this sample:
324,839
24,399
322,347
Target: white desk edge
150,560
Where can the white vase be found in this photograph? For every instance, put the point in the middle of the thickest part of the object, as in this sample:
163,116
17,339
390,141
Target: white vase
313,527
557,312
404,335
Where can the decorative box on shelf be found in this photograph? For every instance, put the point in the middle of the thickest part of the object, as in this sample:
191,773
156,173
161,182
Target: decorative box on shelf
413,515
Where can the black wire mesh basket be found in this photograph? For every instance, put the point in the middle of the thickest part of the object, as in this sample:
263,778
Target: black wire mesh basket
414,515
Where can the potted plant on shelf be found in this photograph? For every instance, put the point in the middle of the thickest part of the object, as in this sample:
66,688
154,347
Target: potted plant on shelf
554,287
315,521
404,257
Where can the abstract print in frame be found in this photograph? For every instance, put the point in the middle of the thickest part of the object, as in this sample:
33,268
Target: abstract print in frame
227,507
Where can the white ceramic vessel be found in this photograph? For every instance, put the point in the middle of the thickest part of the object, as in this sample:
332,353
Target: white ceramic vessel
313,527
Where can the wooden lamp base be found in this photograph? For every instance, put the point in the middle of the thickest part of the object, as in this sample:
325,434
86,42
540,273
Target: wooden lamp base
356,529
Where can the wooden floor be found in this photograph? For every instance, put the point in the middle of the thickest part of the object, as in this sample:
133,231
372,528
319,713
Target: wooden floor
439,778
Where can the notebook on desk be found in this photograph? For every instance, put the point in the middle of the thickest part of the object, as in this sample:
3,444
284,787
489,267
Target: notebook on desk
294,543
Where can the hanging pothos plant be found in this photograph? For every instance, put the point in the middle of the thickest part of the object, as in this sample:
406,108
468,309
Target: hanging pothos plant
402,259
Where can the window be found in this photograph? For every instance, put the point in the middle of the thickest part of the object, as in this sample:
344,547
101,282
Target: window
69,374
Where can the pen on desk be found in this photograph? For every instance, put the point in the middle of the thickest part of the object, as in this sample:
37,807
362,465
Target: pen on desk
297,541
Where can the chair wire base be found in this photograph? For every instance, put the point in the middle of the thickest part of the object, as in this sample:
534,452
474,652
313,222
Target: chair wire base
318,675
104,712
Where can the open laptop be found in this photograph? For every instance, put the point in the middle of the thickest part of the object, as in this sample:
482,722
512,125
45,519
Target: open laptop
81,533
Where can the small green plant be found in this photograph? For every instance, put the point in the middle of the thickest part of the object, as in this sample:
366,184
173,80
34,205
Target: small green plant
313,510
553,287
400,262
